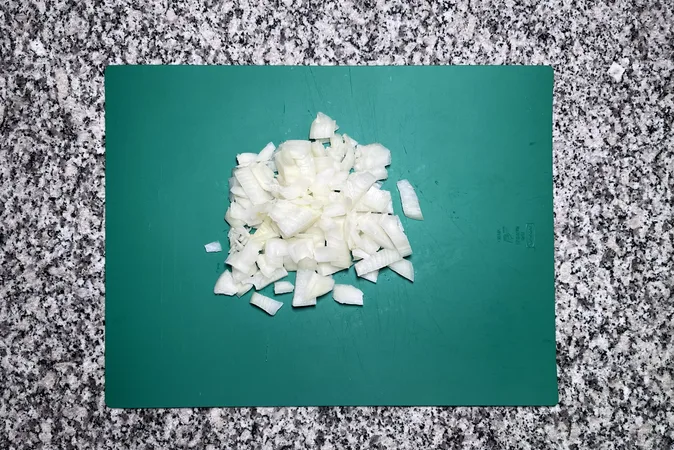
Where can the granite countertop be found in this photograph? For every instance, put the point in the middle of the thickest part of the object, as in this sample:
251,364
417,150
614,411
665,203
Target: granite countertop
614,212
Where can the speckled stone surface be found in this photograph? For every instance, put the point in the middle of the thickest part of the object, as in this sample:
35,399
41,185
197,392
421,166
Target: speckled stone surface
614,212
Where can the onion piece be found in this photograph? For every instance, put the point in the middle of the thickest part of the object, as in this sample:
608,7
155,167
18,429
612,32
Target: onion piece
246,258
268,305
319,285
323,127
326,254
299,249
213,247
251,186
243,289
371,228
260,281
395,231
275,250
323,209
244,159
403,268
265,268
371,276
300,297
307,264
357,184
409,200
379,260
292,219
347,295
225,284
266,153
283,287
289,264
376,200
359,254
328,269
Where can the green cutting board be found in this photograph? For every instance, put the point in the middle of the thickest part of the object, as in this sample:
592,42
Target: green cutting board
477,327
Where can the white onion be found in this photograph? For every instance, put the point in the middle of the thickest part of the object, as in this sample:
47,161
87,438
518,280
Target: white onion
243,289
251,186
283,287
403,268
313,206
319,285
347,295
266,153
301,297
379,260
213,247
328,269
371,276
409,200
260,281
244,159
225,284
322,127
268,305
395,231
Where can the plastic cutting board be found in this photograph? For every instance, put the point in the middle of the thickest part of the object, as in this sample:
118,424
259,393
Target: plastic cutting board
477,327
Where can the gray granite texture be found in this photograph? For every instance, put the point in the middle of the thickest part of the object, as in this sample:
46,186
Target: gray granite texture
614,217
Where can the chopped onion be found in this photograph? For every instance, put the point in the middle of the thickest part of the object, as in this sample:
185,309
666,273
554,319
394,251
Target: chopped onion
347,295
244,289
225,284
409,200
371,276
328,269
313,206
403,268
292,219
246,258
379,260
266,153
301,296
251,186
260,281
322,127
319,285
370,226
395,231
213,247
244,159
283,287
268,305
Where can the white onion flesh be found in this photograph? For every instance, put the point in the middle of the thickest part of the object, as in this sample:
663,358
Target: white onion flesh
313,206
243,289
213,247
379,260
403,268
266,304
371,276
323,127
244,159
410,201
319,285
395,231
283,287
225,284
300,296
260,281
347,295
266,153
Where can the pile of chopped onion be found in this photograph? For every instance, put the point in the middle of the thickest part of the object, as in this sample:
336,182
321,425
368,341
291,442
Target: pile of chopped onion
314,207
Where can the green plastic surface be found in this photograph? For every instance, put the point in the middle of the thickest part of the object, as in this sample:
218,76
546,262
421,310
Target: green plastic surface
477,327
